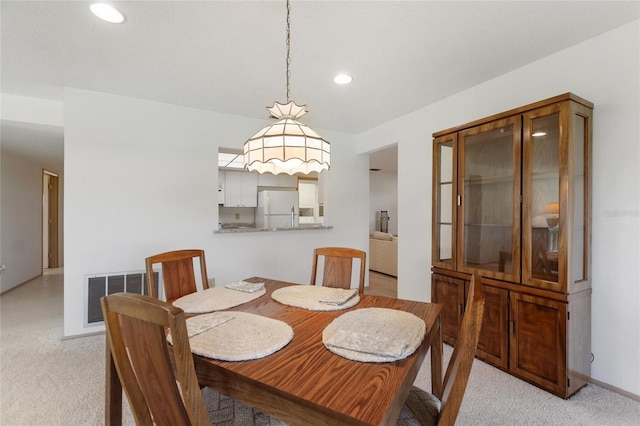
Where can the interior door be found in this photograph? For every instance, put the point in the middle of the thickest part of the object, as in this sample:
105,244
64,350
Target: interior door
53,222
50,195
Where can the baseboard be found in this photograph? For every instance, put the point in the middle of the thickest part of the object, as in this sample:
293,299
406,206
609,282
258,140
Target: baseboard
616,390
3,292
384,273
79,336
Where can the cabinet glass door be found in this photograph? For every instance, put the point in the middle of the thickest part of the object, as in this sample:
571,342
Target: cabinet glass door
444,206
489,181
543,203
581,196
556,193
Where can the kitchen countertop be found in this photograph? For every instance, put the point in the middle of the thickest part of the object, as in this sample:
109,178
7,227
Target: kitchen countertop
249,229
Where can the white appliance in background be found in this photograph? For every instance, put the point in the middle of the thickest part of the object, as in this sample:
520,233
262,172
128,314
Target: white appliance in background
277,209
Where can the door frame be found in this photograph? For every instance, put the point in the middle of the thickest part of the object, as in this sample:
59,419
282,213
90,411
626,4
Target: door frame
50,218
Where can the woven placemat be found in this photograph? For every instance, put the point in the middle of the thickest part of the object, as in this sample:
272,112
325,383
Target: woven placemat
374,334
315,298
243,337
214,299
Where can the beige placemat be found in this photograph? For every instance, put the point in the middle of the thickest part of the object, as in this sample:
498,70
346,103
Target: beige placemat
245,286
374,334
215,299
316,298
242,337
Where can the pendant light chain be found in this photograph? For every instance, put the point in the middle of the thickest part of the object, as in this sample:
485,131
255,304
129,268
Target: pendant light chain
287,146
288,50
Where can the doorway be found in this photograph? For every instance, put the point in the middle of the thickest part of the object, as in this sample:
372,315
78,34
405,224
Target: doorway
383,197
50,191
383,189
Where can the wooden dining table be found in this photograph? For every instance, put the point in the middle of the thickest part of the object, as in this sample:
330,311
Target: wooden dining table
306,384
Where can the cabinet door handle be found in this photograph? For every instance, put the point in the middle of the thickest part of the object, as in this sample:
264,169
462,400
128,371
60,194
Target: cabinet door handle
512,326
460,310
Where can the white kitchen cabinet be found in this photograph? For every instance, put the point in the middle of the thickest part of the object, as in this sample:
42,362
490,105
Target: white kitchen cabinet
288,181
240,189
221,182
281,181
308,194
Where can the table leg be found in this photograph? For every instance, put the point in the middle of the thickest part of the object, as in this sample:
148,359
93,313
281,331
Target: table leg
436,360
112,392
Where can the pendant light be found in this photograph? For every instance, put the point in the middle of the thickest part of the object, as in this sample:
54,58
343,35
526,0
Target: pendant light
287,146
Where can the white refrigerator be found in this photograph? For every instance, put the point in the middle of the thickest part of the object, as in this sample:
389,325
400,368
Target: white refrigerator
277,209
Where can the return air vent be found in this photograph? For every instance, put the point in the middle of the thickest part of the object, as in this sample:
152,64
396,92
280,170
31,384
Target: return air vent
99,285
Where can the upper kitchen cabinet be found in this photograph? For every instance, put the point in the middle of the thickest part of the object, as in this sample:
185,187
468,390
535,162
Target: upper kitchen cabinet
241,189
278,181
308,191
221,182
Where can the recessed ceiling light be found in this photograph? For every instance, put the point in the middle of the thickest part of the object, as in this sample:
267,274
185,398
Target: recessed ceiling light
107,13
342,79
538,134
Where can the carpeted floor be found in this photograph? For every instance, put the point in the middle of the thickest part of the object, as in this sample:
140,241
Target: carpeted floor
225,411
45,380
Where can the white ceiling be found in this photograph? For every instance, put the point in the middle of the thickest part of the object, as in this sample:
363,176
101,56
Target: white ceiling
229,56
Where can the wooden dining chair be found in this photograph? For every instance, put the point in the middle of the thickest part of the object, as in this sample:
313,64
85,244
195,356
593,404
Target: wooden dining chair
338,264
423,408
178,273
135,326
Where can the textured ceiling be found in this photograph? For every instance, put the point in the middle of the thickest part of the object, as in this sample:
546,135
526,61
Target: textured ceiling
229,56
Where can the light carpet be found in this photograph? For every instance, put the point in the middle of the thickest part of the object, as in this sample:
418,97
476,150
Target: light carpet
45,380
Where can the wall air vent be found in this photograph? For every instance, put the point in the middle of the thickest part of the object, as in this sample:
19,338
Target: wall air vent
99,285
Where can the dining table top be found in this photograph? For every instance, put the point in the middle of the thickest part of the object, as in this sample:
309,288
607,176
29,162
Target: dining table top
305,383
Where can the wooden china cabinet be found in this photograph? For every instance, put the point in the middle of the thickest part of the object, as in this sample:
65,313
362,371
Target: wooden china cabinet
512,202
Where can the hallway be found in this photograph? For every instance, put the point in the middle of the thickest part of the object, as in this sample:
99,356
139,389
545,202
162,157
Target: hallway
34,305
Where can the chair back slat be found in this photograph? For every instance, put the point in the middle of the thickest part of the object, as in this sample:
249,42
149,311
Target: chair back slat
181,278
149,357
337,272
178,273
338,266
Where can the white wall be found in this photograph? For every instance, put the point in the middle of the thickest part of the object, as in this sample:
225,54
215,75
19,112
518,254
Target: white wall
383,195
141,178
21,181
32,110
604,70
